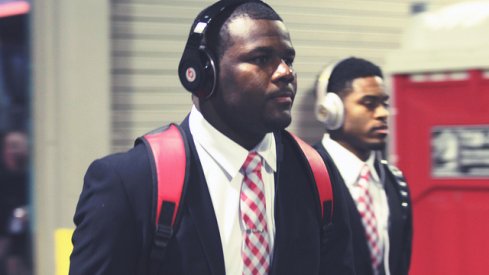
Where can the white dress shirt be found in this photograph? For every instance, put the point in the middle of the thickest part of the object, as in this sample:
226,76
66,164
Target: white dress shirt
349,166
221,159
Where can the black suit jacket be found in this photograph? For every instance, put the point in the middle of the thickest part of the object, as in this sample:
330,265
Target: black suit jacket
115,221
400,224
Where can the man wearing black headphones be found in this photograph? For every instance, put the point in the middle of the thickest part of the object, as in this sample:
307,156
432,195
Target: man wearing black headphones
353,105
250,205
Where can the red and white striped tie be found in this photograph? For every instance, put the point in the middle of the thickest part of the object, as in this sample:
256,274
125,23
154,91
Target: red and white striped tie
365,208
256,248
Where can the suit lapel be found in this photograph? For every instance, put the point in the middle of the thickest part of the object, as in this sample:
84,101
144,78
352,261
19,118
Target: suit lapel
297,223
360,246
395,221
278,241
201,210
358,231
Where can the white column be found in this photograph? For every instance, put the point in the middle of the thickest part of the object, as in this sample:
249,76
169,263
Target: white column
71,110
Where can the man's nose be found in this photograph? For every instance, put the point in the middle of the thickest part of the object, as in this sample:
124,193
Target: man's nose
382,111
284,72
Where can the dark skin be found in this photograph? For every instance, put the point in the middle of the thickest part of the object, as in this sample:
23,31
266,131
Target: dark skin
365,126
257,85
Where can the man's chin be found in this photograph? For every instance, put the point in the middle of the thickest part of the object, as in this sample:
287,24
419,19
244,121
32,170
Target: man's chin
377,146
279,123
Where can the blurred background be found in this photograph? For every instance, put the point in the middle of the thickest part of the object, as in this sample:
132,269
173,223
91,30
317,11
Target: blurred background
82,79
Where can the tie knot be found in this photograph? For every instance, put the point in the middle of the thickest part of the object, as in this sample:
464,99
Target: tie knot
364,175
252,163
365,172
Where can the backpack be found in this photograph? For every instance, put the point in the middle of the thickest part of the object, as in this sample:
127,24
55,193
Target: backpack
168,150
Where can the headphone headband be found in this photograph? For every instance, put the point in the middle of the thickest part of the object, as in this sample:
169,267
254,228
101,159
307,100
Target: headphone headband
204,19
323,80
197,69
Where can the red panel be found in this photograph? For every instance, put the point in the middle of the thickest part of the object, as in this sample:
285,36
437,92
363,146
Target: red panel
450,224
14,8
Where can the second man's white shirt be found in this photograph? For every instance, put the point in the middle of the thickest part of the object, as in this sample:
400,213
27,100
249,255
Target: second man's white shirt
349,166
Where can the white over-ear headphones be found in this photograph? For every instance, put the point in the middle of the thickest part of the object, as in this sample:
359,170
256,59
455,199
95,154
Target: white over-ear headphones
329,106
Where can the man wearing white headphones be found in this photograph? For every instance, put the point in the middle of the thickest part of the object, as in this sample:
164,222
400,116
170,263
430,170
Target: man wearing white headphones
353,105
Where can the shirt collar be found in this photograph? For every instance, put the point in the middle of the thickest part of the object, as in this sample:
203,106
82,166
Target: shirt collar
227,153
351,164
371,165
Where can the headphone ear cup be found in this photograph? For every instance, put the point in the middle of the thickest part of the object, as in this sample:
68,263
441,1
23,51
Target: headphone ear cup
330,111
197,72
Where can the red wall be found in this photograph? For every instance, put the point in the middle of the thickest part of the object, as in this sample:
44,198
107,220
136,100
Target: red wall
451,215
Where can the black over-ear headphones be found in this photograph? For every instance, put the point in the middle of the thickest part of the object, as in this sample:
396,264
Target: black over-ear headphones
198,70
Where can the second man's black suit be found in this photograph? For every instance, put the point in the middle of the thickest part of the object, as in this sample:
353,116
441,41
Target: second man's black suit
400,222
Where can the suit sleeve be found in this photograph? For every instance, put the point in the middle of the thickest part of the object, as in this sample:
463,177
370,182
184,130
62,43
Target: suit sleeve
337,247
105,239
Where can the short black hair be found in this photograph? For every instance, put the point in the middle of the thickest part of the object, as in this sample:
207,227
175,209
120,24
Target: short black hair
349,69
218,39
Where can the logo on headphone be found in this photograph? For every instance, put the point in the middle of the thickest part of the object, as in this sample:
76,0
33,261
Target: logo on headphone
190,74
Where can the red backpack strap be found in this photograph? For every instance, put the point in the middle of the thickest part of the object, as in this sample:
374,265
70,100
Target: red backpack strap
168,152
321,177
